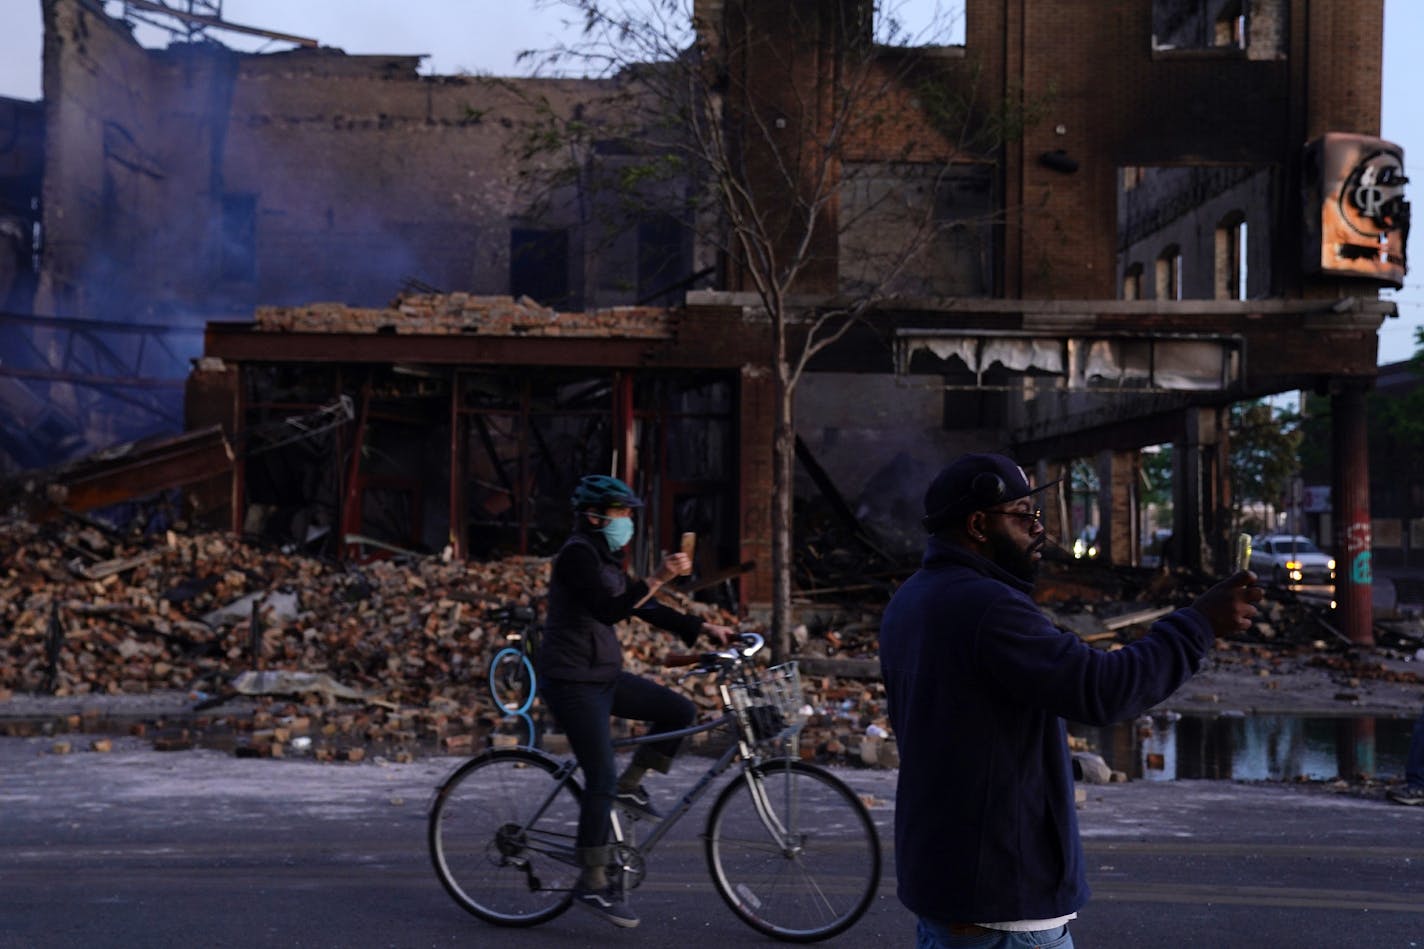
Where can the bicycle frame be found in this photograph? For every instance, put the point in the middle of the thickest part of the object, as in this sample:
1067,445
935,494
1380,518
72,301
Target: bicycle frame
738,751
693,794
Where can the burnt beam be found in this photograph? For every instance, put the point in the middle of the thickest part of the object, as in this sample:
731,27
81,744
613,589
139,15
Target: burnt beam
144,470
473,349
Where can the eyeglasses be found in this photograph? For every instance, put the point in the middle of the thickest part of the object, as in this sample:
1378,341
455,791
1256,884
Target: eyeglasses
1034,515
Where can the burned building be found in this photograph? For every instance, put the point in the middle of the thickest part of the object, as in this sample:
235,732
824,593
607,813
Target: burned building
1142,226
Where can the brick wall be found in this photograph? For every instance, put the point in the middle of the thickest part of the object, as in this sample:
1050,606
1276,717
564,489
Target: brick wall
104,165
1108,99
205,181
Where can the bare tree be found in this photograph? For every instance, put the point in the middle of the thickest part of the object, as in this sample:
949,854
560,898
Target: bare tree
823,171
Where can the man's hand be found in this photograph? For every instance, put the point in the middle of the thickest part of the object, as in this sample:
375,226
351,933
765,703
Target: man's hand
723,634
1231,604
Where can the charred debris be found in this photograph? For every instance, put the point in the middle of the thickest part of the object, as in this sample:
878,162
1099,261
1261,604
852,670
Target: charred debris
391,653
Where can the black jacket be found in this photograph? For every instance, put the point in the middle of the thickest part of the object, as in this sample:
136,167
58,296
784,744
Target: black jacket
588,593
978,682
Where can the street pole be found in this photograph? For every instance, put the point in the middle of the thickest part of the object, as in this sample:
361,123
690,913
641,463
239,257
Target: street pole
1354,569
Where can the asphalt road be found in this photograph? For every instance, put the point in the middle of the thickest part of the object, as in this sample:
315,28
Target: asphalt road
197,849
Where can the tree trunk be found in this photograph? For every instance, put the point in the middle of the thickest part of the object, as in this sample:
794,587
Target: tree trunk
782,489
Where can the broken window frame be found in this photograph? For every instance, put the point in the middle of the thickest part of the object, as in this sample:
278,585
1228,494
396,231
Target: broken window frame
1131,282
1101,362
539,473
1253,29
662,262
540,266
1229,270
1181,207
1167,274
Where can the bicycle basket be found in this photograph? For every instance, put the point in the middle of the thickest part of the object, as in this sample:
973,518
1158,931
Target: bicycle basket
773,702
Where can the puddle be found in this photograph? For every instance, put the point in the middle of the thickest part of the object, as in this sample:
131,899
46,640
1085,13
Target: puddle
1170,747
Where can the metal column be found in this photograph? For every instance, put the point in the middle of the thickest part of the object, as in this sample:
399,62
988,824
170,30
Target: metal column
1354,574
1194,489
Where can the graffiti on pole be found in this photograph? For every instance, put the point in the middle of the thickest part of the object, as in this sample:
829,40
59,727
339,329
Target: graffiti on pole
1358,542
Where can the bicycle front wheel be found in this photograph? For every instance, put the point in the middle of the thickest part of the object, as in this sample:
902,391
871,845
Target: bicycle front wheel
511,679
793,851
501,835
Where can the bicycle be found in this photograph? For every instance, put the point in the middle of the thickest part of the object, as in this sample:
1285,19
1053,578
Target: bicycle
511,672
791,848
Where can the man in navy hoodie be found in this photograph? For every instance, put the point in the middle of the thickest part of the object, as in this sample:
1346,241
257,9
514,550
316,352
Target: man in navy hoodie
979,683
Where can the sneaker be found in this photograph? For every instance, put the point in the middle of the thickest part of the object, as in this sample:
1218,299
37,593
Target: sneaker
607,903
1411,794
638,803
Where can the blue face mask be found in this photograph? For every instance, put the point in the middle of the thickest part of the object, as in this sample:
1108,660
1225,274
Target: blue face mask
617,531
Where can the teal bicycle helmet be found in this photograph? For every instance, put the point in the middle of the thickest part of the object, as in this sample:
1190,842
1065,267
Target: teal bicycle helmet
601,491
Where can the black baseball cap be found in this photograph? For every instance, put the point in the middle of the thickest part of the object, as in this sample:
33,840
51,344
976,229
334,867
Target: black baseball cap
973,482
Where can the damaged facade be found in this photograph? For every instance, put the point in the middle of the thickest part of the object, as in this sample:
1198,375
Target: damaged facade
473,416
1146,251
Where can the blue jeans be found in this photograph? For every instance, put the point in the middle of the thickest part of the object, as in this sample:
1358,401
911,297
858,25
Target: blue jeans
1414,764
932,935
582,709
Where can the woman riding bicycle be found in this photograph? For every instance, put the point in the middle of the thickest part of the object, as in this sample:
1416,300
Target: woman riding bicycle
580,665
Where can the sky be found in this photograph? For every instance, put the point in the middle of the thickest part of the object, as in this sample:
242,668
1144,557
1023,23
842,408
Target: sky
484,36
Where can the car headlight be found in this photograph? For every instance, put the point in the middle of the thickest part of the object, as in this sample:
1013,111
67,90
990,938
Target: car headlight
1331,563
1292,564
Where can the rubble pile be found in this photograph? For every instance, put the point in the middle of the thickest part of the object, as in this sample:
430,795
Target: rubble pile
389,652
393,654
461,313
1107,605
88,611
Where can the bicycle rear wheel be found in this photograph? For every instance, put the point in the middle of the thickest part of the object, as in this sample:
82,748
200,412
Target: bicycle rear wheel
511,679
815,874
501,836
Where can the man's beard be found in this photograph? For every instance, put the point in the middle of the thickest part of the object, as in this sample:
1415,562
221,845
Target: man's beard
1013,558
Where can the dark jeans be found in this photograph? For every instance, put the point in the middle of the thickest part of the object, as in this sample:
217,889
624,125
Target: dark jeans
932,935
582,709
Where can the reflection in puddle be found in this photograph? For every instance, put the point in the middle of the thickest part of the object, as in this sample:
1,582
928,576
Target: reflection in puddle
1167,747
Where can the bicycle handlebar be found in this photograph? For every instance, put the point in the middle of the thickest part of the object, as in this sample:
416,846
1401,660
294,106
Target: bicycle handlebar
743,646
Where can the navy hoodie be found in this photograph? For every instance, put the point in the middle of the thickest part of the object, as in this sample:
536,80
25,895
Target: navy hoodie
979,682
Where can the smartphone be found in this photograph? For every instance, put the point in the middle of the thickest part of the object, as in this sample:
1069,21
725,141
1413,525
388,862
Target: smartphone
1243,552
689,544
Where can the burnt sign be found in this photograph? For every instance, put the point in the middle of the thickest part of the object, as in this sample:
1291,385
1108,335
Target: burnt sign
1356,217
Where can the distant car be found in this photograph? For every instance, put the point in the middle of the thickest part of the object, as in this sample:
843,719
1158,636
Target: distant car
1085,545
1291,560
